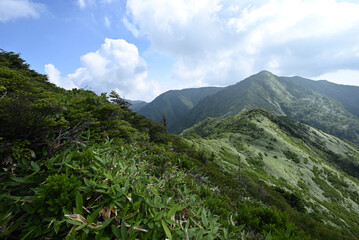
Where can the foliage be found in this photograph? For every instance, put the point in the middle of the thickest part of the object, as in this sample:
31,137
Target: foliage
291,155
250,133
77,166
115,98
115,195
36,113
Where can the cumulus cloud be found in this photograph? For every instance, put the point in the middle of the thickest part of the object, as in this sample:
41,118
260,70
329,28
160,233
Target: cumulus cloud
115,66
14,9
215,41
54,76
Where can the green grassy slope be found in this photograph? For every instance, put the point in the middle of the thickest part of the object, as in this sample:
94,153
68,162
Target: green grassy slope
291,157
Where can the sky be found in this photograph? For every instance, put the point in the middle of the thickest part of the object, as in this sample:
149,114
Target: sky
141,48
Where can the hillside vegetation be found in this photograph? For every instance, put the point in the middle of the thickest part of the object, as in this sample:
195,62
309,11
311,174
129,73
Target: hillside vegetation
315,172
78,166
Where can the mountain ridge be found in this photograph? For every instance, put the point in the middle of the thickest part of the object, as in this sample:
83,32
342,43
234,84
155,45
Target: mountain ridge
283,96
174,104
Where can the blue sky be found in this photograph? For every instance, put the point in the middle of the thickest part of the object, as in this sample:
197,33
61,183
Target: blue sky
142,48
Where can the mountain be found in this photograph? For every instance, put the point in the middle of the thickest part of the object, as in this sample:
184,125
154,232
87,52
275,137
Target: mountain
136,105
315,172
175,103
302,99
347,95
75,165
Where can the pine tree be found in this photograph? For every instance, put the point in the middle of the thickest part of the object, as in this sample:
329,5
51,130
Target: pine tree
164,121
115,98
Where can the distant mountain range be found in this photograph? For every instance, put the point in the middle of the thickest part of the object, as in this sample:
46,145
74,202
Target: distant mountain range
175,104
330,107
136,105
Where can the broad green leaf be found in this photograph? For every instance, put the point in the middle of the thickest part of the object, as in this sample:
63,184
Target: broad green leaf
123,230
56,227
268,237
204,218
154,190
116,231
28,208
79,202
137,204
73,222
81,227
170,221
158,216
105,223
172,211
288,231
167,230
104,186
101,191
200,233
100,160
109,176
89,183
187,224
22,180
131,215
240,227
225,233
198,212
35,166
95,214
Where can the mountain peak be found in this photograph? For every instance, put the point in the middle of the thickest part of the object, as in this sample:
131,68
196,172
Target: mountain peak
263,76
265,72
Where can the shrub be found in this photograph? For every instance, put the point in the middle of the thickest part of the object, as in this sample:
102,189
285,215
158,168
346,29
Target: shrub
57,194
291,155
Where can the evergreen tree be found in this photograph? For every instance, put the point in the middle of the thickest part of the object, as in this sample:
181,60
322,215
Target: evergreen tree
164,121
115,98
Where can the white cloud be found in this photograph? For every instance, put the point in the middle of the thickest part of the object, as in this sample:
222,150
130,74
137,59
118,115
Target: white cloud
221,42
115,66
88,3
14,9
54,76
344,76
107,22
53,73
81,3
